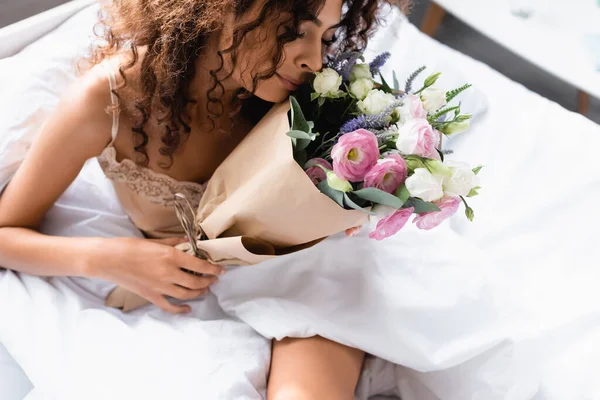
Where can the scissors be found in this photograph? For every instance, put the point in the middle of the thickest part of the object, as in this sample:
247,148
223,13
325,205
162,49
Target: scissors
191,227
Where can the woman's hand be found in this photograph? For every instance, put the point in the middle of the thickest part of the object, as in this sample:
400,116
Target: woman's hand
152,269
353,231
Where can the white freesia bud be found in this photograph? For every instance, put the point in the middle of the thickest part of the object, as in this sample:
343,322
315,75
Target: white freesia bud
337,183
327,82
375,102
433,99
360,71
456,127
438,168
424,185
461,180
360,88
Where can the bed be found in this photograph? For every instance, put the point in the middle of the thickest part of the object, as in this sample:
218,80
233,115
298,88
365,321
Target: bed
506,307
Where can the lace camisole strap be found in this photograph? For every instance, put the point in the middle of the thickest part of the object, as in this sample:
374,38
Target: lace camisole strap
112,81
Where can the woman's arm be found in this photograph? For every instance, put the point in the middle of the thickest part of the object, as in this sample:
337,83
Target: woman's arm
77,130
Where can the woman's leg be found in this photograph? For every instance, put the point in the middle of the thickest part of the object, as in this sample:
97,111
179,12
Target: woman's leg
313,369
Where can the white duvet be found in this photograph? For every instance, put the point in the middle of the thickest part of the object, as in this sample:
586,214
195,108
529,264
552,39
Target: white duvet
506,307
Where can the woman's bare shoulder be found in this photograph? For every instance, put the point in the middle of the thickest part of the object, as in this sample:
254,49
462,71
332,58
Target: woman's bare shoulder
86,104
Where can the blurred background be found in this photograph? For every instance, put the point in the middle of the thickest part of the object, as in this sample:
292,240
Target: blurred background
451,31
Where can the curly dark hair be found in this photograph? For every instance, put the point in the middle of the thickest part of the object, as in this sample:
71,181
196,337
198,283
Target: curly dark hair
174,32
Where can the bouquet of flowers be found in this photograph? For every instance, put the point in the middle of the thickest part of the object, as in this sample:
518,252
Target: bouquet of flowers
377,149
357,148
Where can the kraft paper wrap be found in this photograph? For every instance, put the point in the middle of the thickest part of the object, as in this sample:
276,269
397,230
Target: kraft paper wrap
260,204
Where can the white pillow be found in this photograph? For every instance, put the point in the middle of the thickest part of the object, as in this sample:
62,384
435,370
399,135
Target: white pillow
32,82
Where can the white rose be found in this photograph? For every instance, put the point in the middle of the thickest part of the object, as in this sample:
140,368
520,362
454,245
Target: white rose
461,181
327,82
376,102
433,99
360,88
360,71
424,185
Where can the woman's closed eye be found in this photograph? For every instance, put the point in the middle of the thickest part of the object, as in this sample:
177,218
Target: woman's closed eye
326,42
329,42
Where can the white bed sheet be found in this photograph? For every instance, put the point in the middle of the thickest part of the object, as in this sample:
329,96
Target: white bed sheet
503,308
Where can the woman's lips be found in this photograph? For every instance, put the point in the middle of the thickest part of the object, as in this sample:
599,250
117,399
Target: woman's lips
288,83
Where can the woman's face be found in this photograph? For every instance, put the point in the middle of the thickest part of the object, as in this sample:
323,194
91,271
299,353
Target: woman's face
301,58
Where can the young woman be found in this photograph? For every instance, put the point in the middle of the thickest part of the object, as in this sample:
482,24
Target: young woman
170,90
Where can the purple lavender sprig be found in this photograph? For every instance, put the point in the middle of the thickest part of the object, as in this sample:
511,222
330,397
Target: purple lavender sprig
378,62
411,78
370,122
344,62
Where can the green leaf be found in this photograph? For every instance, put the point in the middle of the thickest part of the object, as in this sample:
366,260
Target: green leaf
402,193
474,191
384,85
379,197
321,101
302,144
420,205
348,202
301,157
453,93
396,83
333,194
314,95
477,169
299,123
301,135
457,111
441,153
438,114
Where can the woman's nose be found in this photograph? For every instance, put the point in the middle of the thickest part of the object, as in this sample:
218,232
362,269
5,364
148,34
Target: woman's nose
312,58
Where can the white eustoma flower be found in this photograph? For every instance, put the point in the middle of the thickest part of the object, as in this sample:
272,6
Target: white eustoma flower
327,82
461,180
360,88
375,102
433,99
424,185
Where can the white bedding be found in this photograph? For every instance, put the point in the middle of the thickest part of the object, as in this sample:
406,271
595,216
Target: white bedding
502,308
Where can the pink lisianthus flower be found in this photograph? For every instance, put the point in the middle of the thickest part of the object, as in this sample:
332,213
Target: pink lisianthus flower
418,137
412,108
316,173
387,174
448,207
391,224
354,154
